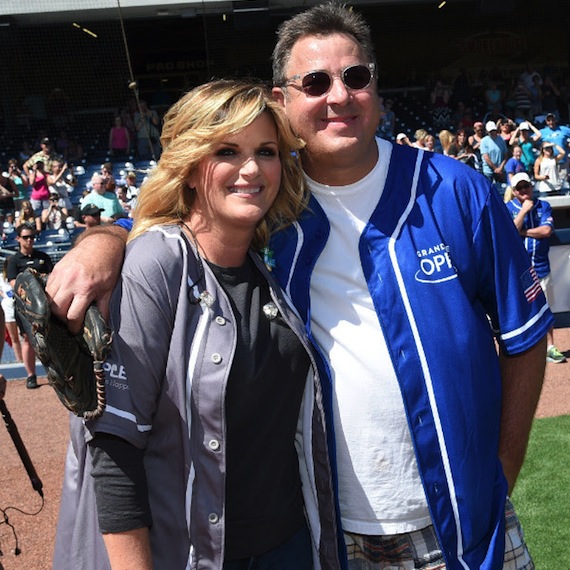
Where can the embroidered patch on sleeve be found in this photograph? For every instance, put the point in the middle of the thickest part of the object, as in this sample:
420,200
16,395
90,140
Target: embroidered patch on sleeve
531,284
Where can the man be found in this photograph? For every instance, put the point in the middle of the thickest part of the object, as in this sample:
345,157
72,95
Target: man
106,201
90,217
26,257
45,155
402,138
534,222
493,153
147,126
427,427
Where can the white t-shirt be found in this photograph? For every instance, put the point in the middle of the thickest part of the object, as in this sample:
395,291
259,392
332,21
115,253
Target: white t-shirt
379,484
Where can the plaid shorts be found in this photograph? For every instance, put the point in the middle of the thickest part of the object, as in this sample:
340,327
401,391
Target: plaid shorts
420,549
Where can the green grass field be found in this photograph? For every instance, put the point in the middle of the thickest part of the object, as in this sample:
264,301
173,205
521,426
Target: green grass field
542,493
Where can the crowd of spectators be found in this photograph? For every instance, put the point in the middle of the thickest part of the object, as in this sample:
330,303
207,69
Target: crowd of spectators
516,127
45,195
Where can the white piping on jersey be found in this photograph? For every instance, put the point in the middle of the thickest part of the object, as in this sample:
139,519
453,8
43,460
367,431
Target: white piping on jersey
167,234
423,359
127,416
194,354
300,240
527,325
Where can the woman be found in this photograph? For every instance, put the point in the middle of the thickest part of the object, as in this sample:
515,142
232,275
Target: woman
505,127
522,137
546,168
19,180
477,136
119,139
446,139
210,364
515,164
28,216
40,189
461,150
53,217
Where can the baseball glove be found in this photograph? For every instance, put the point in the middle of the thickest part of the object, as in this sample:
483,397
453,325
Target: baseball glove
74,364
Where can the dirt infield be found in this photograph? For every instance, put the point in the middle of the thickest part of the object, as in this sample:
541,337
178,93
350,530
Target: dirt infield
43,425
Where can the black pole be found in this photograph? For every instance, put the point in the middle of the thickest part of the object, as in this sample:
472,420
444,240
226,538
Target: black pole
21,448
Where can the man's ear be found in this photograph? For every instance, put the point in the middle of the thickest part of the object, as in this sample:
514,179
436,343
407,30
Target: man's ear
278,95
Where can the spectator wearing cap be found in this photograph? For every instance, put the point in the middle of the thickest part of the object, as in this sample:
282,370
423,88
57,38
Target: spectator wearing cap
555,133
106,201
46,155
558,135
521,136
493,154
402,138
546,167
90,217
26,257
533,219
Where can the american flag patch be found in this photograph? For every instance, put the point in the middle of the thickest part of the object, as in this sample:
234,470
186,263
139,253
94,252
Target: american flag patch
531,284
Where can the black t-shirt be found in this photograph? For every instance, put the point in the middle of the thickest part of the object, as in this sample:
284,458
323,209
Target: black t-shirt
38,260
264,504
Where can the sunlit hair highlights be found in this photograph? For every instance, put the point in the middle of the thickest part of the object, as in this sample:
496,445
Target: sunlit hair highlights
193,128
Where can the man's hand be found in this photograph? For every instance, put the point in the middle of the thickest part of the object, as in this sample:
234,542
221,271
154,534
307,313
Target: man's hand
87,273
527,206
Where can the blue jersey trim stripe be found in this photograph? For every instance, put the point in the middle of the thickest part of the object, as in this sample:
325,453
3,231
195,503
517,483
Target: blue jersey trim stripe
423,359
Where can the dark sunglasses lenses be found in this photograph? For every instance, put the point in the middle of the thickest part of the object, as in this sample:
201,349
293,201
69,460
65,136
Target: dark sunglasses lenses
318,83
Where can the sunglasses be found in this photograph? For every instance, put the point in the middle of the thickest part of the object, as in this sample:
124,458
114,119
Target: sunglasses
319,83
523,186
27,237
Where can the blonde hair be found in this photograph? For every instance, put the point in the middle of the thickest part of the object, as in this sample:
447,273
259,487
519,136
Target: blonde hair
446,138
193,127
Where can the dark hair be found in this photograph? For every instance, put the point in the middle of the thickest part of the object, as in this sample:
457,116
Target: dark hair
322,20
25,226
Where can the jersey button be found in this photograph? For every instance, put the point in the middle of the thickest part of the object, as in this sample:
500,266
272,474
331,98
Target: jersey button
214,444
213,518
221,321
216,358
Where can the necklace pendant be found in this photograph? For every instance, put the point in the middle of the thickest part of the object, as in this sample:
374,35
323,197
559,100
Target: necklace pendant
270,310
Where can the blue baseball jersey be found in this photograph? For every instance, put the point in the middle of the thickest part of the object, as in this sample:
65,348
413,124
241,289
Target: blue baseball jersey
447,273
540,215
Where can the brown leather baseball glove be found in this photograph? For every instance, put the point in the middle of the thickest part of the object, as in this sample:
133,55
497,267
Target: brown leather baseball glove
74,364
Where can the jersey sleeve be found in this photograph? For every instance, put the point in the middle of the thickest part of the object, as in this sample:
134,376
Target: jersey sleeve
509,287
546,218
142,310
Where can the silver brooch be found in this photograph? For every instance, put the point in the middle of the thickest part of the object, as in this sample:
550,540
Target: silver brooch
207,298
270,310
